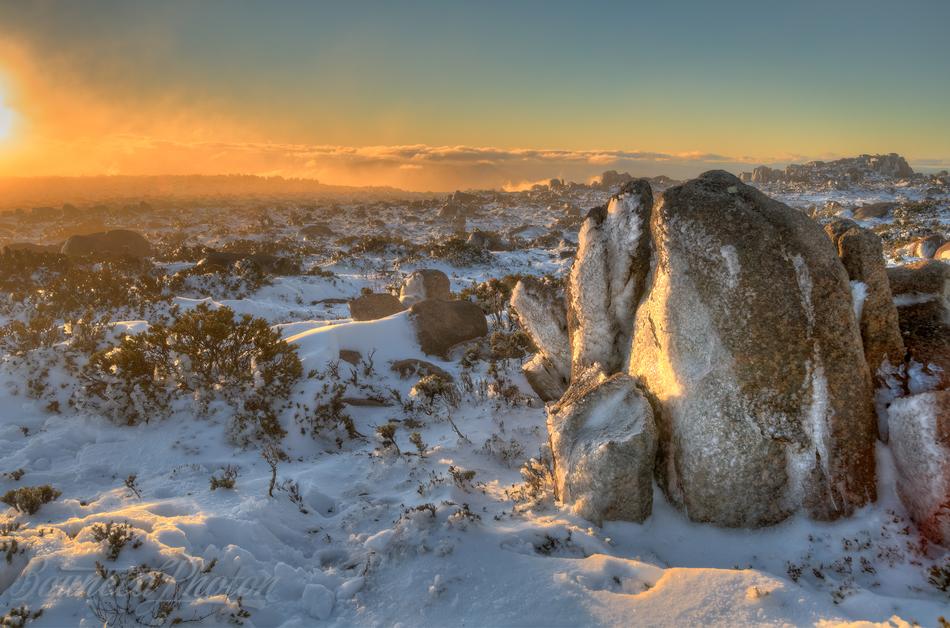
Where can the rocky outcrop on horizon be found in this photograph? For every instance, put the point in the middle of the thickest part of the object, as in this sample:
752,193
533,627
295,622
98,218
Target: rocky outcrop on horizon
860,169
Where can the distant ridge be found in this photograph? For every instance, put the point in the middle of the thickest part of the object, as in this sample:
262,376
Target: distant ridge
25,192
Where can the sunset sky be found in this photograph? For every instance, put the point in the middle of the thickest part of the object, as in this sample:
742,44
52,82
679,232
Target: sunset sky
439,95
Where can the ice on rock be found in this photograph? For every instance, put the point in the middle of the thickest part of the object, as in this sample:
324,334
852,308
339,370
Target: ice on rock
920,441
604,441
541,310
607,278
760,387
859,294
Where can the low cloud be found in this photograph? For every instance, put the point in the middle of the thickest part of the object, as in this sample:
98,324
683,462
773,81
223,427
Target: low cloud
411,167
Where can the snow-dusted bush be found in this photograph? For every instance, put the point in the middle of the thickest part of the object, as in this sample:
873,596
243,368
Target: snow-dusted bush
207,354
29,499
65,287
115,536
458,252
38,332
514,345
433,388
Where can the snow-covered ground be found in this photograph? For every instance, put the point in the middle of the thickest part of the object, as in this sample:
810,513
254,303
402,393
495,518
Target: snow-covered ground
438,530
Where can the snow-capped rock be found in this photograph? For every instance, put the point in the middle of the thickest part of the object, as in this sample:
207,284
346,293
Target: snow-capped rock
607,278
541,310
920,442
604,441
423,284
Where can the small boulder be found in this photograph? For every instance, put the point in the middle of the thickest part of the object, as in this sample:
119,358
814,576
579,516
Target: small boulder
319,230
351,356
874,210
488,240
927,246
441,324
423,284
603,440
118,242
943,253
920,441
545,379
370,307
412,366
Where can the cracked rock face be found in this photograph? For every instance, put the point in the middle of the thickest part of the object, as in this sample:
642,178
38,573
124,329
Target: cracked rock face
922,294
748,344
604,440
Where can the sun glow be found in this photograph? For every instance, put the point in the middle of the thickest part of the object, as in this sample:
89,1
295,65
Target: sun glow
6,121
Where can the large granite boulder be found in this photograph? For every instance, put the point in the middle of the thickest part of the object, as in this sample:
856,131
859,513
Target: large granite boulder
920,442
862,254
440,324
423,284
540,307
608,278
603,440
371,307
922,295
747,344
115,243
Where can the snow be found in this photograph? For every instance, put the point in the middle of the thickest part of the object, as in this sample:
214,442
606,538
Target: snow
731,257
859,293
390,338
592,340
361,548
